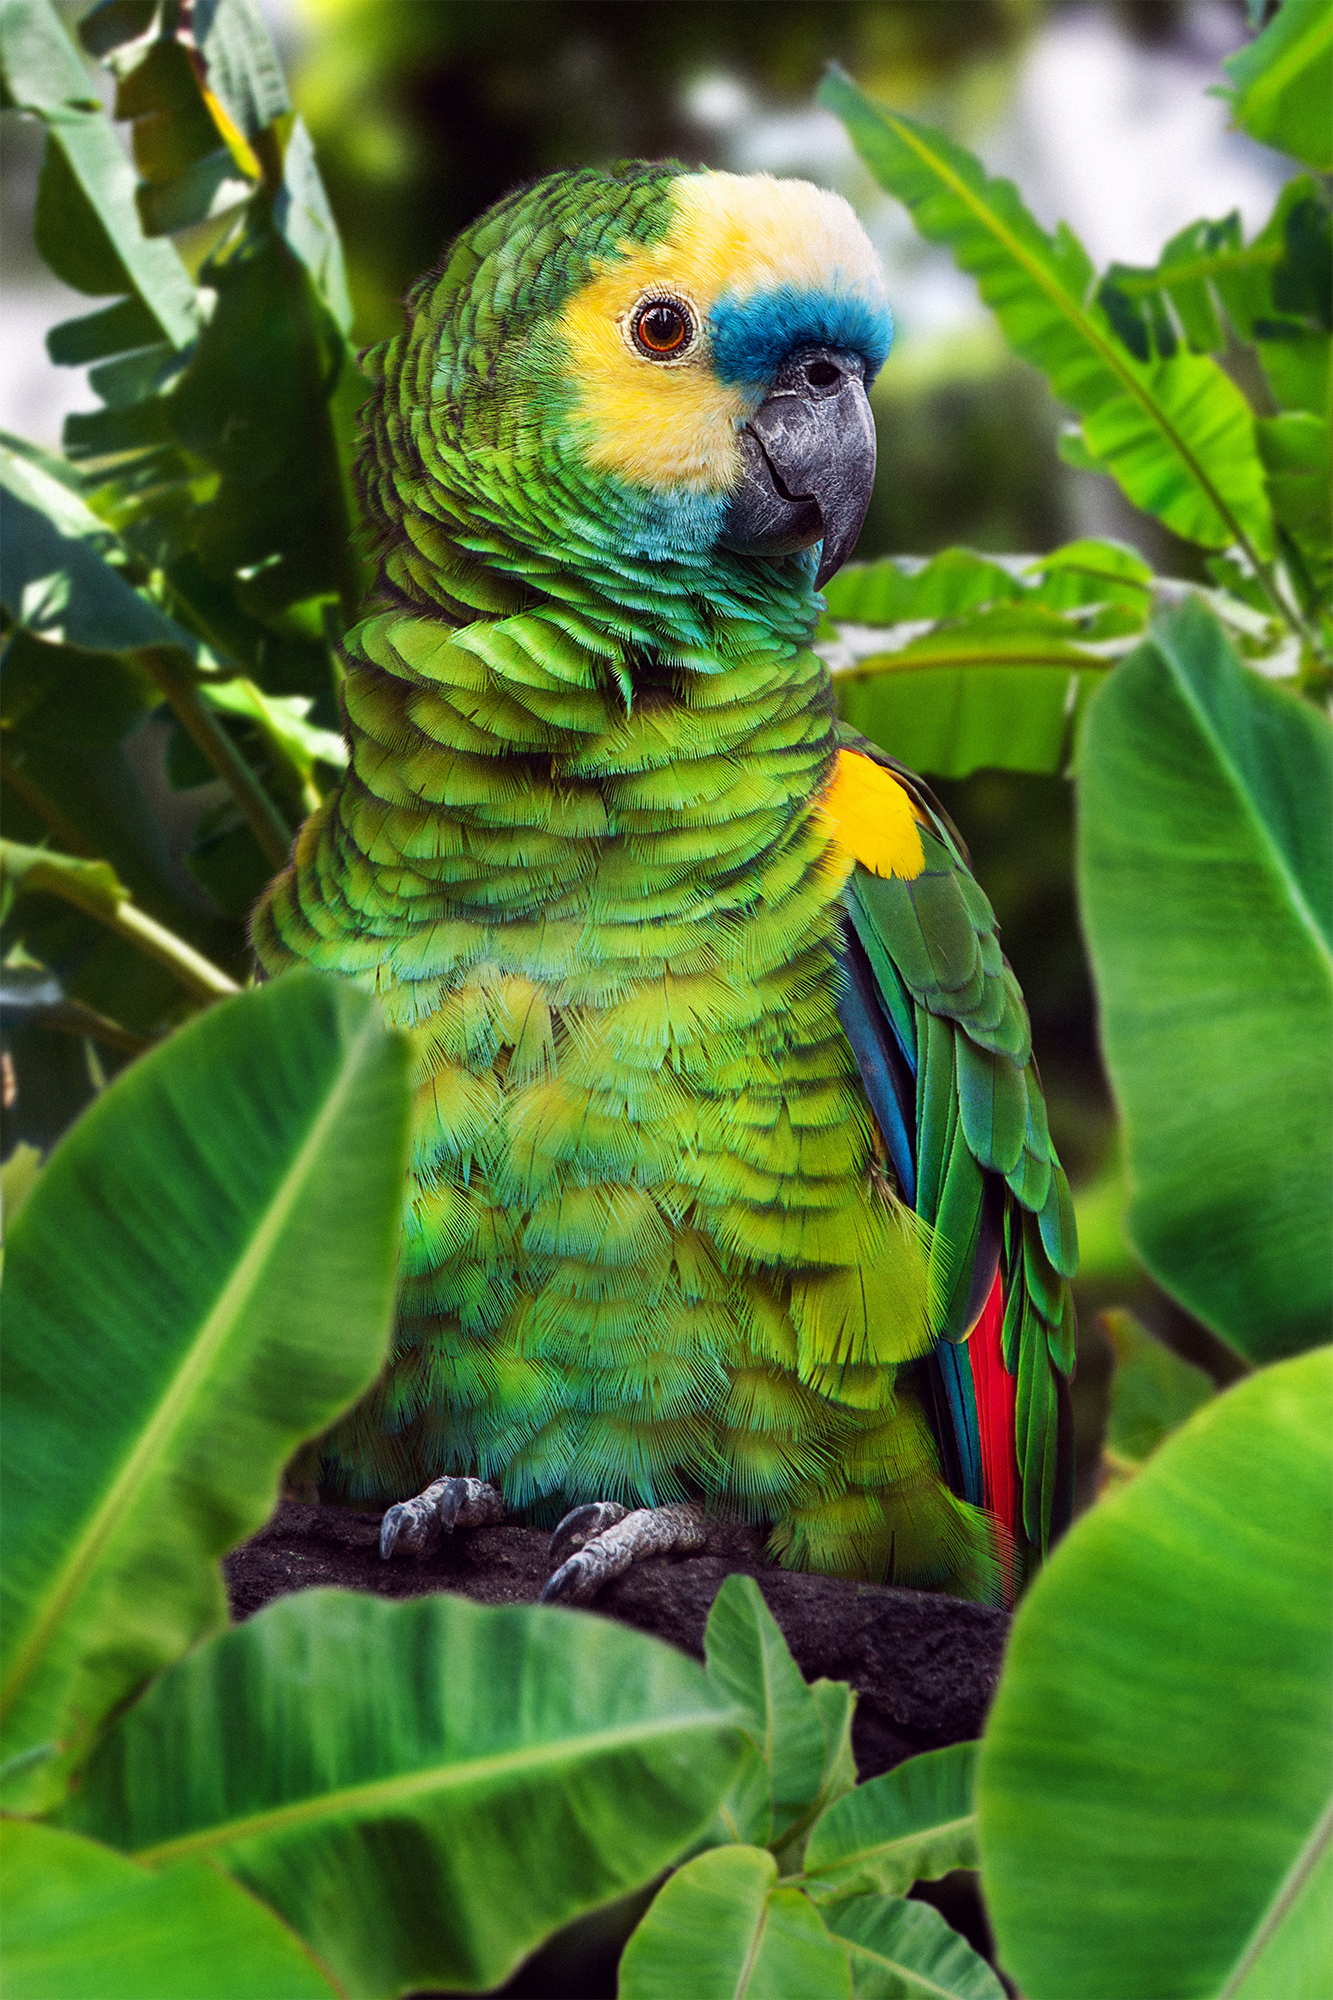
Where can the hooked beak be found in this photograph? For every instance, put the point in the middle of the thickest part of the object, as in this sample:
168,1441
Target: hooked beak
808,462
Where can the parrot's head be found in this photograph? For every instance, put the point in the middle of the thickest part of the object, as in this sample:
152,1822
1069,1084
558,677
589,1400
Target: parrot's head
652,380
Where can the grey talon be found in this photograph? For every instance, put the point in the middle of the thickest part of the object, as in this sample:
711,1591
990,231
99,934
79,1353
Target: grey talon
446,1504
579,1526
626,1538
564,1582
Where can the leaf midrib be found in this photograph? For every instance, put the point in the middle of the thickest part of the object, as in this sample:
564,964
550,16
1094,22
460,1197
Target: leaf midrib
1284,1900
138,1469
1234,778
752,1955
856,1857
372,1794
1165,277
914,1982
1300,53
1078,320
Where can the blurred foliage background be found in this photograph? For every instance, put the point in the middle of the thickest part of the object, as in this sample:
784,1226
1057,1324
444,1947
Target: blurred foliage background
424,111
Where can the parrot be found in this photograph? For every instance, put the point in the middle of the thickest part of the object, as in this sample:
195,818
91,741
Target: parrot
732,1192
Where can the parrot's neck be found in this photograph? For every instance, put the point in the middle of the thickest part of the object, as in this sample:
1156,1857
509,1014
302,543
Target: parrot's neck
665,590
538,792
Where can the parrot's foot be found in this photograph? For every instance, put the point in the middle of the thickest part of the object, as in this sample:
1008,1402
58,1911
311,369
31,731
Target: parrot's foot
607,1538
416,1525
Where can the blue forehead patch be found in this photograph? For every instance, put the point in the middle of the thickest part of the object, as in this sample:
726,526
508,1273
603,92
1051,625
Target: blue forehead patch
754,336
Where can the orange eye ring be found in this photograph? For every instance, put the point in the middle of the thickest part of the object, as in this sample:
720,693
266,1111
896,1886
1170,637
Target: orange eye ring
662,328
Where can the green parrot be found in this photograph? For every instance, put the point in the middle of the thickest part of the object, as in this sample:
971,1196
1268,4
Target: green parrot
732,1191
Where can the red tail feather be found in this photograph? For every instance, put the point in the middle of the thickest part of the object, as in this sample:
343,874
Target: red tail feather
996,1393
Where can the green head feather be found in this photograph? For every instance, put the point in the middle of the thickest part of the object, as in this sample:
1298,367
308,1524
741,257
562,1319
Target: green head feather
516,434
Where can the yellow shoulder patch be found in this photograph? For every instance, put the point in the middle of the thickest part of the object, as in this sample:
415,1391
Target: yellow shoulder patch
871,816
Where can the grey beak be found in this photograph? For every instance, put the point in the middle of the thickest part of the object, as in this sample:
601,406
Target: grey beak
808,456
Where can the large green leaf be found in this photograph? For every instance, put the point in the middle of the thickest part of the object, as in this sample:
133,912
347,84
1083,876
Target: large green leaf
965,662
1205,799
900,588
836,1702
1078,576
422,1790
60,569
201,1278
721,1929
72,694
92,886
1298,457
947,723
749,1663
256,404
1177,435
1210,287
1281,81
1274,289
194,112
911,1824
89,799
1152,1390
265,392
906,1951
82,1920
87,224
83,664
77,684
206,118
305,218
211,130
1154,1795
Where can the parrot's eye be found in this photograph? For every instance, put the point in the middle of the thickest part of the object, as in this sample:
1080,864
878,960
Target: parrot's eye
662,328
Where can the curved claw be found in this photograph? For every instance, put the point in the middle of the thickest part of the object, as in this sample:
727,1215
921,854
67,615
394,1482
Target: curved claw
416,1524
395,1520
579,1525
576,1579
648,1531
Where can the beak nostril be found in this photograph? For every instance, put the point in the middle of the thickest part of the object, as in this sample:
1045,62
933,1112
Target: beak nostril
807,464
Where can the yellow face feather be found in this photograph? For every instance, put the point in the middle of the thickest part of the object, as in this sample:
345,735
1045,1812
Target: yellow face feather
672,424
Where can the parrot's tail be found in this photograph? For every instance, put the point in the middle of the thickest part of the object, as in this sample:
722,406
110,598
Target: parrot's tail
997,1398
996,1393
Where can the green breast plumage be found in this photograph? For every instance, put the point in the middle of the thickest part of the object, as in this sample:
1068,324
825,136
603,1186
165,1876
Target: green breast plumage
645,1200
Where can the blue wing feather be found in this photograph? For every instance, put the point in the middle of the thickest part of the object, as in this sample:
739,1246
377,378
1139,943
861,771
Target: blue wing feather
910,985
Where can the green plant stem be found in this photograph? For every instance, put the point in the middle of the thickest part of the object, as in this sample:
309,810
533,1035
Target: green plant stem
32,795
195,972
306,791
71,1017
201,724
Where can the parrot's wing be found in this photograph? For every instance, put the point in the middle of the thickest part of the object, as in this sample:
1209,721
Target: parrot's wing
940,1032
